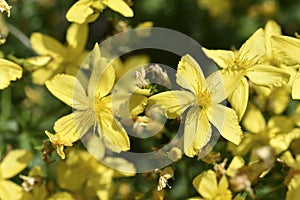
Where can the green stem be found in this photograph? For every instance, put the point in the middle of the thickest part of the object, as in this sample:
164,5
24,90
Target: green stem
19,35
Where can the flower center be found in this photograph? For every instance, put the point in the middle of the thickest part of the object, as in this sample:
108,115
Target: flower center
240,63
99,107
204,99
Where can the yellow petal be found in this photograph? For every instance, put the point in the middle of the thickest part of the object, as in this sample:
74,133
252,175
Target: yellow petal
65,127
279,100
44,73
80,11
296,86
239,98
145,24
103,75
189,75
14,162
222,57
236,163
9,71
289,159
77,35
106,79
60,151
114,133
226,121
221,85
130,63
124,167
197,131
223,186
61,195
280,124
174,103
38,61
254,48
95,146
67,89
246,145
281,142
84,121
72,175
271,28
119,6
286,49
137,104
268,76
254,120
46,45
10,190
293,192
206,184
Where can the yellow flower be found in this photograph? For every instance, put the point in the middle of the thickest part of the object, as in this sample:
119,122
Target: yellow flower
92,108
293,192
222,11
85,177
286,50
208,187
56,57
9,71
85,11
5,7
13,163
279,132
202,100
207,184
293,181
247,62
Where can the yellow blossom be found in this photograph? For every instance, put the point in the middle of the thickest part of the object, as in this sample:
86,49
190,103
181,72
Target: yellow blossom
86,11
293,192
202,100
286,50
9,71
293,181
84,176
245,63
13,163
58,58
209,188
92,108
221,12
278,132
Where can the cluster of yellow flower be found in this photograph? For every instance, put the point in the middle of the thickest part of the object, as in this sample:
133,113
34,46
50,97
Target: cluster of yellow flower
259,81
